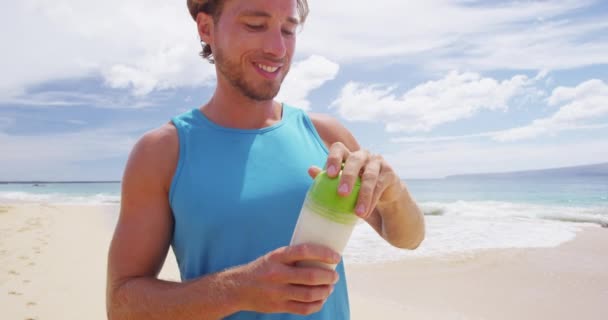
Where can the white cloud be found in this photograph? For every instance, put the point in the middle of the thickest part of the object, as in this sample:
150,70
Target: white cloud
434,139
167,69
581,109
146,46
74,146
140,44
553,46
151,45
455,97
54,98
56,156
6,122
582,106
304,77
445,35
77,122
435,160
590,88
495,135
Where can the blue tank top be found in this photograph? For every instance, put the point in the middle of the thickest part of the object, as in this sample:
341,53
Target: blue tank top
236,195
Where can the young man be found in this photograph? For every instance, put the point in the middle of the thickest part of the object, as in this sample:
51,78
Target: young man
223,185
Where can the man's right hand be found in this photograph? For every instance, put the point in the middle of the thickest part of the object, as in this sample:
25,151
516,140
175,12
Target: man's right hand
273,284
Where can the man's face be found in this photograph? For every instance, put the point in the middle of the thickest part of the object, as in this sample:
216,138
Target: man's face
253,44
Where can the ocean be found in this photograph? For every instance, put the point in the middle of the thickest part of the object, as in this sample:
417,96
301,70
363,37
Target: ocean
463,214
67,193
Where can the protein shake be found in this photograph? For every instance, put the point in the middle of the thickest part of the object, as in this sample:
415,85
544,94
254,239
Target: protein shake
326,218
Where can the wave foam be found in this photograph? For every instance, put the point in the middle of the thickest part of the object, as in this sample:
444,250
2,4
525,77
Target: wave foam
497,209
58,198
462,227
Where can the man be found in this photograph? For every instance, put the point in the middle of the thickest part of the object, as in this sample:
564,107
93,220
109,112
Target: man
223,185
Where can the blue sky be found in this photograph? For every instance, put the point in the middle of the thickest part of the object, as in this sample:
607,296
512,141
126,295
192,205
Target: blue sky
438,87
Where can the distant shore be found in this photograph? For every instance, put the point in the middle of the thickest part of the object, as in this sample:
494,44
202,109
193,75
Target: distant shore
599,170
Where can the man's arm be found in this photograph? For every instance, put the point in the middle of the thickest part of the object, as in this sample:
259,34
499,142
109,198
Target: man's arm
142,237
141,241
399,220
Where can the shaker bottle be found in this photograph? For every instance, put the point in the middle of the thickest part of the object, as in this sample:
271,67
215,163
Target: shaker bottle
326,218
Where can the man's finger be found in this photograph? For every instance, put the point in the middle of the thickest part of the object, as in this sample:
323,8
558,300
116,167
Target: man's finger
304,308
338,153
352,168
311,276
309,293
313,171
367,191
309,252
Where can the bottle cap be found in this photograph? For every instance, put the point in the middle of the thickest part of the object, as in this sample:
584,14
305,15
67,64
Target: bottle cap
324,198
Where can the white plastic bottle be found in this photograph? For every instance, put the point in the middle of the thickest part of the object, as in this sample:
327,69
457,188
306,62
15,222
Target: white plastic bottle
326,218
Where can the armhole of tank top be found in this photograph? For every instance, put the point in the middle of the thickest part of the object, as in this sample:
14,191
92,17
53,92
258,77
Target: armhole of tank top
313,130
180,160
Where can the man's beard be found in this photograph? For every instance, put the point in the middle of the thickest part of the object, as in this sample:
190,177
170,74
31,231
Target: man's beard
231,70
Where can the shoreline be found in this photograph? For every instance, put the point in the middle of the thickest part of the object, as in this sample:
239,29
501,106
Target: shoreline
53,255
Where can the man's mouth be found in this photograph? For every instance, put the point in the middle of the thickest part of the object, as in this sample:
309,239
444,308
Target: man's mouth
269,69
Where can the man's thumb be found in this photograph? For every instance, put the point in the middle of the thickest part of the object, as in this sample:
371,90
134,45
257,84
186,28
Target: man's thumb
313,171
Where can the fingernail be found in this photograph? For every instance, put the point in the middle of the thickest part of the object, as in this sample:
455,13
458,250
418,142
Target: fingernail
337,258
332,170
360,210
343,188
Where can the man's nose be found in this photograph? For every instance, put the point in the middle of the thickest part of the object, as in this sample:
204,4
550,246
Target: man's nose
274,44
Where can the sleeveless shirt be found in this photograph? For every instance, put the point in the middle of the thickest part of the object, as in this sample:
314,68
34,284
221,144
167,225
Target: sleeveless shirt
236,195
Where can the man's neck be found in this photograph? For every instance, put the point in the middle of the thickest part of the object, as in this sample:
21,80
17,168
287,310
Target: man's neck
234,110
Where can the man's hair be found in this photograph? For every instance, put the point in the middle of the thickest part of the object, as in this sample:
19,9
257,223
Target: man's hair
214,9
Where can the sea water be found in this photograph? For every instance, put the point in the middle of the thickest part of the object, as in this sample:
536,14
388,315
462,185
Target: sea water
94,193
462,215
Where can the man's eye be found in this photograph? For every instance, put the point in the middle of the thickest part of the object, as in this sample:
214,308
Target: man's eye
288,32
255,27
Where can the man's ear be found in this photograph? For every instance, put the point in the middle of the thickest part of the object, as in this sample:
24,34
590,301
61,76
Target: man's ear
205,26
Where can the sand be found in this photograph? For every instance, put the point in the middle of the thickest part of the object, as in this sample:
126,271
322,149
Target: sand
53,265
566,282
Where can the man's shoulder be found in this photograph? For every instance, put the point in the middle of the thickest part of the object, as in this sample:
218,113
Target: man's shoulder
159,140
156,153
324,122
332,131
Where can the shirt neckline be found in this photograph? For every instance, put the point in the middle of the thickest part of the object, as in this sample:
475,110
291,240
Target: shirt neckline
285,112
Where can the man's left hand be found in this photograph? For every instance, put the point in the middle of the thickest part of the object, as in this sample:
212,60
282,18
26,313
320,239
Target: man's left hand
379,183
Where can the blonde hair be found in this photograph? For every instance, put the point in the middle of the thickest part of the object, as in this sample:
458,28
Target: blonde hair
214,9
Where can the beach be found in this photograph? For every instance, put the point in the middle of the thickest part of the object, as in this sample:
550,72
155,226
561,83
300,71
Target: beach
53,265
565,282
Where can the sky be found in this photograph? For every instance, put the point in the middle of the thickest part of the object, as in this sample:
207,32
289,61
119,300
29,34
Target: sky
437,87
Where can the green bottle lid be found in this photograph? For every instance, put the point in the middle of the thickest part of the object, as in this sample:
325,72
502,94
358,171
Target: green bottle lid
323,198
